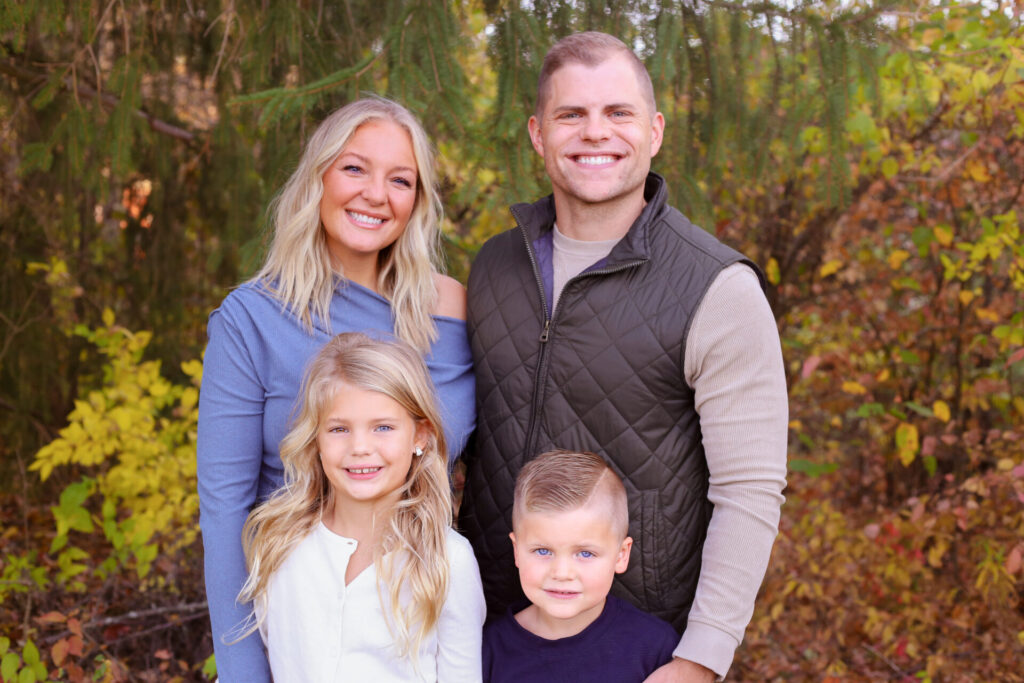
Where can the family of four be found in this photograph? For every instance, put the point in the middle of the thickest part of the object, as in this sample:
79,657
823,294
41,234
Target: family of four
613,380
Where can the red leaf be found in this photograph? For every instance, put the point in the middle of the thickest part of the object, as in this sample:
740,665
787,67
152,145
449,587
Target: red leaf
75,645
1013,561
162,654
1015,357
810,365
59,651
51,618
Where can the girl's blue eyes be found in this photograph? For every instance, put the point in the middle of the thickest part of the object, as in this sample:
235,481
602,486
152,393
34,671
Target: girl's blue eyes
378,428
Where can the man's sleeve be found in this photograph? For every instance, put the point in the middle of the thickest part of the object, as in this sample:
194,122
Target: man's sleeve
734,364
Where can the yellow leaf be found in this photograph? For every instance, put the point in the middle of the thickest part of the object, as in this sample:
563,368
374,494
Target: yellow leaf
941,410
987,314
906,443
771,271
966,296
855,388
108,317
943,235
977,171
897,257
831,267
1005,464
883,375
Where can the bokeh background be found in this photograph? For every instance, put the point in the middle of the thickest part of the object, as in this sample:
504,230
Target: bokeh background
868,155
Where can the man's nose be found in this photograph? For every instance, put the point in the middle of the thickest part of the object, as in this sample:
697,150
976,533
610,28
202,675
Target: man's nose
595,128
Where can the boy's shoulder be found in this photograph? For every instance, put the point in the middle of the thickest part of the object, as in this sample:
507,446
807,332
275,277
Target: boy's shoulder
629,619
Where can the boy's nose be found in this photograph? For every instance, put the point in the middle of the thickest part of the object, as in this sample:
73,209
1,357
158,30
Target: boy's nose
562,568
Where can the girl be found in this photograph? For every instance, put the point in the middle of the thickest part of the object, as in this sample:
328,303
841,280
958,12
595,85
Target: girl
355,571
354,250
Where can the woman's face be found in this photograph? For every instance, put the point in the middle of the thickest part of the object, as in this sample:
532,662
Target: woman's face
369,194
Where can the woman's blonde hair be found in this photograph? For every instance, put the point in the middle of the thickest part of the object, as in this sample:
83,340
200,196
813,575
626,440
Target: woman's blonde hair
412,553
298,267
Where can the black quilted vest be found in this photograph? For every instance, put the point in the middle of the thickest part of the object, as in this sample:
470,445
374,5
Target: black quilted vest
605,374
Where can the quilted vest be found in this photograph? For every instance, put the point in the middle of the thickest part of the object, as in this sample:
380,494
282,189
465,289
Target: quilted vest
603,374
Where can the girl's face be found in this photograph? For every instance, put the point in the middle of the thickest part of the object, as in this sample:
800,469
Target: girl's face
366,442
369,193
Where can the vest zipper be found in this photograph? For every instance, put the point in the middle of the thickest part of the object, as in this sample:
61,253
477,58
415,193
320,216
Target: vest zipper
545,335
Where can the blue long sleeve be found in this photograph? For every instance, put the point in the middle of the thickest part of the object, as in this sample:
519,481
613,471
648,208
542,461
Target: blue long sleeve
251,377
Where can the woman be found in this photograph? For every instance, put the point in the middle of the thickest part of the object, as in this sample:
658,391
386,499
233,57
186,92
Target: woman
355,249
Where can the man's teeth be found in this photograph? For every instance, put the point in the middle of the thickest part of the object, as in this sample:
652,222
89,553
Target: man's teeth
363,218
363,470
594,161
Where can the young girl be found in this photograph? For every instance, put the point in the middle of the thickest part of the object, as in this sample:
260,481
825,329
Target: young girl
355,571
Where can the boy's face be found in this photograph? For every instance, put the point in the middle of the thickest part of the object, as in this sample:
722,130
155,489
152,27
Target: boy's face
567,561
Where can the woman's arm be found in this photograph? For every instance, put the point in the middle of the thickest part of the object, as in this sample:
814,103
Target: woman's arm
229,456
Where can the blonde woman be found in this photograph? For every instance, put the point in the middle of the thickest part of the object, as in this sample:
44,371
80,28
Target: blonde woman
355,571
354,249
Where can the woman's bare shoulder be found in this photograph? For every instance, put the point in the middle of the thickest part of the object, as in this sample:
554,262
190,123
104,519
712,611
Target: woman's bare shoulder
451,297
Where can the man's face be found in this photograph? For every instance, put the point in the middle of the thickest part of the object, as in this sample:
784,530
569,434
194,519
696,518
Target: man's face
597,134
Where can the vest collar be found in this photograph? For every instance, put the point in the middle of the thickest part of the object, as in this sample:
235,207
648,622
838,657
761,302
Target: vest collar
538,218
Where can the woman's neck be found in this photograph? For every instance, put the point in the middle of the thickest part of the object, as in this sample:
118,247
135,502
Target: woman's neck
359,268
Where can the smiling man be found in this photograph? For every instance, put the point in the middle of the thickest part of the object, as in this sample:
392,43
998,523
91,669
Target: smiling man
606,321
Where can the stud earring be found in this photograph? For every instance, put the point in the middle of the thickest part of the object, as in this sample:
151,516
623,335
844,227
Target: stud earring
418,452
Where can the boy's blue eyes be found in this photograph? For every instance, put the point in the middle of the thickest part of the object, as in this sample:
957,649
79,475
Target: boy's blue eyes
546,552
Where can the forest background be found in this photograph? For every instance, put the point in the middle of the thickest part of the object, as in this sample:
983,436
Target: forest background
868,155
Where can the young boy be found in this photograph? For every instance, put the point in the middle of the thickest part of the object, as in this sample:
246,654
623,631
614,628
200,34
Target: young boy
569,522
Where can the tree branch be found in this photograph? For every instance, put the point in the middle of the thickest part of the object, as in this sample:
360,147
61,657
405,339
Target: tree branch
76,87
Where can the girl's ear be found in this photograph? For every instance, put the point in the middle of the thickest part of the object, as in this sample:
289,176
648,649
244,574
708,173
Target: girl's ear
424,431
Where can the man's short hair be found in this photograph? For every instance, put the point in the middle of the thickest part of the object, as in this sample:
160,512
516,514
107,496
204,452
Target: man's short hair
589,48
562,481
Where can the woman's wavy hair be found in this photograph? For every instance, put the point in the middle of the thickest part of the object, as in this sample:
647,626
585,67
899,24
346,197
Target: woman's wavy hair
412,554
298,267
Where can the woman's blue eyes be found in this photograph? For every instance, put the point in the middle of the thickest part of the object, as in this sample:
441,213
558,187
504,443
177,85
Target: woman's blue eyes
398,180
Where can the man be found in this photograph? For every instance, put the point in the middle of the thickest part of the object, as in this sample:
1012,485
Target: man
606,321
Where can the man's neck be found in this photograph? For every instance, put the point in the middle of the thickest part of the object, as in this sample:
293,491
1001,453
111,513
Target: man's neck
596,222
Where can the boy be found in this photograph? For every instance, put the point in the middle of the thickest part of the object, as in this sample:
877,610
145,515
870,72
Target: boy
570,525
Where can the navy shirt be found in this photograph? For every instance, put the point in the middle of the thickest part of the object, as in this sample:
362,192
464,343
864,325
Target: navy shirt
623,644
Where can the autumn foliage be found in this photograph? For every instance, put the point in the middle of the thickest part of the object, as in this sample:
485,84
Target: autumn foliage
883,201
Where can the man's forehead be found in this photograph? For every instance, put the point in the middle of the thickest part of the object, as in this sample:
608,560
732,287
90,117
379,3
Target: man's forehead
610,83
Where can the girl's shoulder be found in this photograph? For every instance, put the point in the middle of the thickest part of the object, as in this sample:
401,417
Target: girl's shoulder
460,552
451,297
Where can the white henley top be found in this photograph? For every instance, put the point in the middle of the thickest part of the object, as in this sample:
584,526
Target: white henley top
318,630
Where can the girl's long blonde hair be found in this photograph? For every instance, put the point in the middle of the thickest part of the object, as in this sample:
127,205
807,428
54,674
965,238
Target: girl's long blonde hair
412,553
298,267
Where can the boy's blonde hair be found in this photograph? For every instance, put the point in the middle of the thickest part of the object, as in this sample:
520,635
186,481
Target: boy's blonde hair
561,481
298,268
413,549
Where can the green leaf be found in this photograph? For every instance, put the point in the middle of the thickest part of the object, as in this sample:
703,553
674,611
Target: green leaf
870,410
812,468
919,409
9,666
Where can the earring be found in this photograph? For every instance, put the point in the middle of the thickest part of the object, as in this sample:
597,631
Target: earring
418,452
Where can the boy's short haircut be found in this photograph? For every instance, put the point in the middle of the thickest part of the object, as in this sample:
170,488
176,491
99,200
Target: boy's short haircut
562,481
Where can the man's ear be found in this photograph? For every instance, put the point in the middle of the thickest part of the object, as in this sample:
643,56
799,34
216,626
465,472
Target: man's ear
515,549
657,132
538,142
622,559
